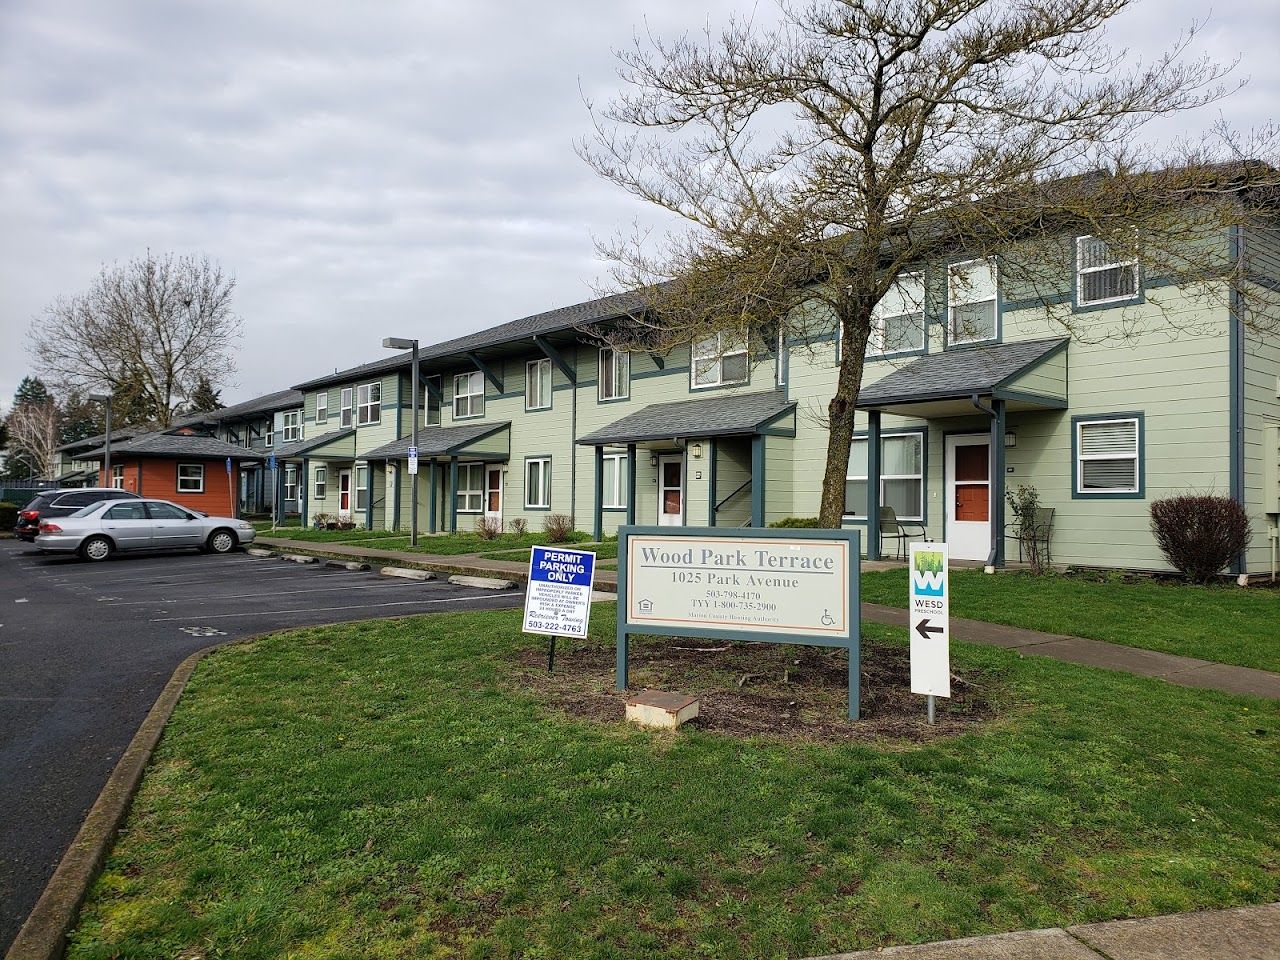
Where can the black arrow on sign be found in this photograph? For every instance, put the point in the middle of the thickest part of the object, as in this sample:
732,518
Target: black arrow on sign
924,628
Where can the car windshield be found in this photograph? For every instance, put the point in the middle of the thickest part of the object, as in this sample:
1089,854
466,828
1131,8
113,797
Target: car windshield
86,511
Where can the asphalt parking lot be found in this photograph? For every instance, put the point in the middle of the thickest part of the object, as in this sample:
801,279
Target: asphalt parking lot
86,648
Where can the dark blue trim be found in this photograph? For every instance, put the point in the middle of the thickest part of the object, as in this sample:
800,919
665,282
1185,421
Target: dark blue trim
598,526
873,485
713,455
757,481
1142,455
1236,394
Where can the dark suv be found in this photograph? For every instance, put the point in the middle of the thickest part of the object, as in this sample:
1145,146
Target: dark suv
61,503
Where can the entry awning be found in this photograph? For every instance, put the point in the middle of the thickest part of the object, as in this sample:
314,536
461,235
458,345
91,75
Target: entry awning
1027,375
726,414
473,441
336,444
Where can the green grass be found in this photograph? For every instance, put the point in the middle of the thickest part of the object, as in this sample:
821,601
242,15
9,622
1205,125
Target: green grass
311,535
1226,624
603,551
453,544
290,522
389,789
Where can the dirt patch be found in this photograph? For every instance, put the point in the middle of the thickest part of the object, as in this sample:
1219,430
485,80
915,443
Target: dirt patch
760,689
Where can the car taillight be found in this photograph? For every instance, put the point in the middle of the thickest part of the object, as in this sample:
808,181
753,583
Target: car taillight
50,528
29,514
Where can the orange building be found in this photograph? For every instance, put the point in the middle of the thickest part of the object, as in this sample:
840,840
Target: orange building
200,473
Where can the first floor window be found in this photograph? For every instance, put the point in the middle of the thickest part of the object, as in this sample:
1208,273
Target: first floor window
362,488
191,478
719,359
1108,453
537,482
971,300
468,395
291,482
292,426
1101,276
322,482
470,487
615,480
897,323
345,412
322,407
369,404
117,476
615,374
537,385
901,476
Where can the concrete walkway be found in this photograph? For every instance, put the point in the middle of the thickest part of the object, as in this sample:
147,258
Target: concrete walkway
1244,933
1183,671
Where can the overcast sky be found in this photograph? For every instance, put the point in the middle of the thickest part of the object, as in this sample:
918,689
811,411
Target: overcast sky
363,169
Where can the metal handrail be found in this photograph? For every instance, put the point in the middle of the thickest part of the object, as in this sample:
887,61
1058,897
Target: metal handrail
745,483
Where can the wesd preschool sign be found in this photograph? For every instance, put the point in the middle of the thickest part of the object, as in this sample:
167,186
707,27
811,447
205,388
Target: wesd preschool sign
774,586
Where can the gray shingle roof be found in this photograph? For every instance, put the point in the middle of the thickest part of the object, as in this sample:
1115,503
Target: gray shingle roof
722,415
437,441
280,400
288,451
177,445
958,373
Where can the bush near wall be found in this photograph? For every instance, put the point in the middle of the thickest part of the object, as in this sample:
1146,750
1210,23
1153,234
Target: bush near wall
796,522
1200,534
8,516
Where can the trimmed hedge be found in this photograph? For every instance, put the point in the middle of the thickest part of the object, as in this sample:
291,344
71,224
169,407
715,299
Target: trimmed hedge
8,515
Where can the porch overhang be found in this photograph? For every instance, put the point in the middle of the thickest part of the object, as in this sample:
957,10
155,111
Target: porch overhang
1026,375
335,445
725,415
481,441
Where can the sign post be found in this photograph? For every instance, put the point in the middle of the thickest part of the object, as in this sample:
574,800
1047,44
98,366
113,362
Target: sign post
930,619
557,602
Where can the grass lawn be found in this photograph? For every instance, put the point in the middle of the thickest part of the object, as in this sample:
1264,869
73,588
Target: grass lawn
453,544
291,522
403,788
312,535
1226,624
603,551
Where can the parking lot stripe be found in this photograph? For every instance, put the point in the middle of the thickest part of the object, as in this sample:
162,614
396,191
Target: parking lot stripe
287,573
356,606
274,593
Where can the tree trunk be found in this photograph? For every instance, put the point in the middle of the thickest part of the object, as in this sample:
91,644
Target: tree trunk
840,418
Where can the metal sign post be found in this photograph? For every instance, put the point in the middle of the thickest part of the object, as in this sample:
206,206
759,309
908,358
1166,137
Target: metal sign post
930,622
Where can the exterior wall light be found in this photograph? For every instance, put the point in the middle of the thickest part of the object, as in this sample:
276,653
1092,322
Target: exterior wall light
653,460
1010,439
696,450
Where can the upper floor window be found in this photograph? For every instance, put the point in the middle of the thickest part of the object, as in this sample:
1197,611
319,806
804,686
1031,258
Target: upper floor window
271,432
292,426
322,407
468,395
1108,456
369,404
897,323
615,374
432,389
537,385
780,360
718,360
344,417
971,300
1101,277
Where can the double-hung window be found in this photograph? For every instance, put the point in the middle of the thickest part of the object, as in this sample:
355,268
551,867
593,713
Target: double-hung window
191,478
290,482
117,476
897,323
901,476
615,374
1108,456
369,404
468,395
271,432
322,407
432,389
344,416
293,426
537,385
537,482
1101,276
615,481
322,482
470,487
362,488
718,360
971,301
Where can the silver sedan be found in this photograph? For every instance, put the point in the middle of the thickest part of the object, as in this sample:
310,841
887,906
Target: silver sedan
100,529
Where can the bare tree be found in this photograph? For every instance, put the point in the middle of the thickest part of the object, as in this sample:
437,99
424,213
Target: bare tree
813,163
34,436
155,327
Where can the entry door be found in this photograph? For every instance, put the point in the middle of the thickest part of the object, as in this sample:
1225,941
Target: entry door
344,491
493,493
969,496
671,491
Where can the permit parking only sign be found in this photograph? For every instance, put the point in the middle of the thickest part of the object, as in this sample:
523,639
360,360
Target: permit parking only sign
558,600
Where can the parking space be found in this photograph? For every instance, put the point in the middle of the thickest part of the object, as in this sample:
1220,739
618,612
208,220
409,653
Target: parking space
86,648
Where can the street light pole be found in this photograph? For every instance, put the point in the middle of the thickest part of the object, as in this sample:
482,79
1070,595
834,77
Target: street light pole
105,399
398,343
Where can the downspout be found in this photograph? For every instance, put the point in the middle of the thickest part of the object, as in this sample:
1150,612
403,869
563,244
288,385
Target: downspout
995,557
1236,402
573,435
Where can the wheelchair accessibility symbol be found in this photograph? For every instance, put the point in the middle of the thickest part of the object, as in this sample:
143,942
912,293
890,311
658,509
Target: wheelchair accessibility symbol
827,619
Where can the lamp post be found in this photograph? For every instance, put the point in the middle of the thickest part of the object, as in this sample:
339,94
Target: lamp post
399,343
105,400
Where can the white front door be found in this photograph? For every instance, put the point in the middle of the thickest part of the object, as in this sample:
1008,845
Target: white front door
493,493
344,493
969,496
671,491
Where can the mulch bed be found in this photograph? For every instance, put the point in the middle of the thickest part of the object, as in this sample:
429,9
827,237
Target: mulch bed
784,691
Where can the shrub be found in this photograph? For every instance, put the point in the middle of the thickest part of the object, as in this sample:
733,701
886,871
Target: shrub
794,522
519,526
558,527
488,528
1024,501
321,521
1200,534
8,515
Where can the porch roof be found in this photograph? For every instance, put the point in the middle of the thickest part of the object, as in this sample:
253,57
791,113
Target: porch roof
726,414
175,445
316,445
452,441
1005,371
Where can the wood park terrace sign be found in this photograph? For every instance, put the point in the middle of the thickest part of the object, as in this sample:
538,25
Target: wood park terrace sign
764,586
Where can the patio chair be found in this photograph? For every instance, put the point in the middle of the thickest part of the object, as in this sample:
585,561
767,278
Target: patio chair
1042,530
891,528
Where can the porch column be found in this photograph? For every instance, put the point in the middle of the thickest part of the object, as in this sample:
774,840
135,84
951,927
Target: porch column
278,474
631,483
996,558
757,480
873,485
599,524
368,491
453,494
392,501
433,469
304,491
711,482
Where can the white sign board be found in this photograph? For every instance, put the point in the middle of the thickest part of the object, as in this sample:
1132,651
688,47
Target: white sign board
557,602
413,461
774,585
930,620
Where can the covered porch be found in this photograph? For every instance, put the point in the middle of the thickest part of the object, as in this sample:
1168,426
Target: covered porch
318,466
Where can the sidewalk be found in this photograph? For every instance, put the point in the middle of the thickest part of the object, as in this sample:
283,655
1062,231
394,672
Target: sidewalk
1243,933
1183,671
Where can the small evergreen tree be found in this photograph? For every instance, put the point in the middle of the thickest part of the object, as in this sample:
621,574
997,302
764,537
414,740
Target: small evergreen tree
204,398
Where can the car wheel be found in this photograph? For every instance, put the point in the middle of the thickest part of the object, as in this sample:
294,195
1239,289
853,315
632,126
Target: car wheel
221,541
97,549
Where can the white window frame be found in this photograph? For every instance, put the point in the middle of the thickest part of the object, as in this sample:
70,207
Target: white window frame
320,483
1082,457
346,414
469,380
543,467
290,482
322,407
880,321
362,488
199,478
1082,271
537,373
117,476
780,360
369,406
271,432
614,495
618,363
717,356
292,426
469,474
917,517
953,337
